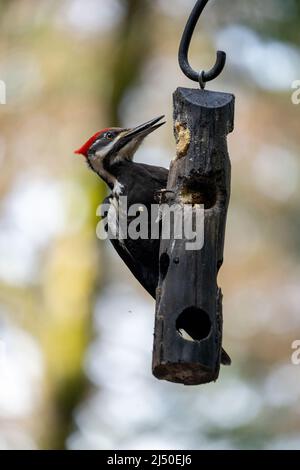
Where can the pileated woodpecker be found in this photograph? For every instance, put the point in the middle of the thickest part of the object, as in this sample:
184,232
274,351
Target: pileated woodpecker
109,153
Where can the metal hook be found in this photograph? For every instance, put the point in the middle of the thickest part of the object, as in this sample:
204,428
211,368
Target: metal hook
203,76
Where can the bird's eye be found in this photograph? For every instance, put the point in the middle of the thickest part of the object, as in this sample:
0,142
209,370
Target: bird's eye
109,135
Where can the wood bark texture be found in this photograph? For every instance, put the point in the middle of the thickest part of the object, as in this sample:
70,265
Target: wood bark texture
188,324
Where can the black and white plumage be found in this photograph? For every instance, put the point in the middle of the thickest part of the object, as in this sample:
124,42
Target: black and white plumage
110,154
141,256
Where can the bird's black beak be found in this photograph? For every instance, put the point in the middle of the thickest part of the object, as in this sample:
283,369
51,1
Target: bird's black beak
145,129
140,132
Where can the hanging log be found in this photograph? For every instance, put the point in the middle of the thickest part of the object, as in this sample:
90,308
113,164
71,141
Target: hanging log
188,325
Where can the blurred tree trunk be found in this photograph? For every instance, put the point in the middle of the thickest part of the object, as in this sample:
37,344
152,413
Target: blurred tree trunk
129,51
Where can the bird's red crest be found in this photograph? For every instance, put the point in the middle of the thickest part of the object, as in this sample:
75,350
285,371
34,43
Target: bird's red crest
85,148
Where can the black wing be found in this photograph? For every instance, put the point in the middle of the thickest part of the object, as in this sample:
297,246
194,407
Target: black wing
145,270
142,256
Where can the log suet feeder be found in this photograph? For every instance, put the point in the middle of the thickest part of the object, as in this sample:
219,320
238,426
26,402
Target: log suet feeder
188,298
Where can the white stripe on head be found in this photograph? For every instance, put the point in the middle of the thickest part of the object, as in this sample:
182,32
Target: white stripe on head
102,152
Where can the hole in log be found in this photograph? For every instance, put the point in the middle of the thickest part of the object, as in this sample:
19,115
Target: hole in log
199,191
164,264
193,324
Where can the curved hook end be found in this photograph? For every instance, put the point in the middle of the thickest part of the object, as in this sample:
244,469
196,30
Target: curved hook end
217,69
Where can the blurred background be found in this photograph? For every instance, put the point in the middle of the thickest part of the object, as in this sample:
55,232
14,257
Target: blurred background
75,327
